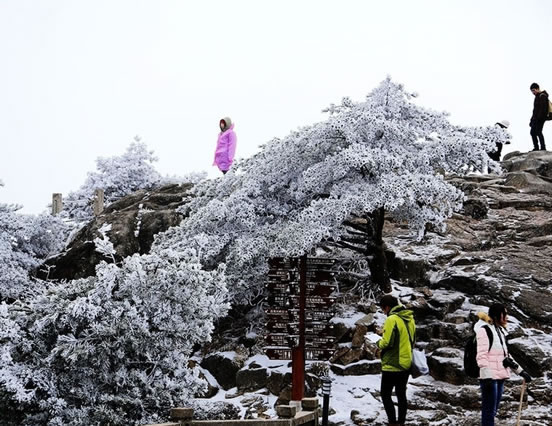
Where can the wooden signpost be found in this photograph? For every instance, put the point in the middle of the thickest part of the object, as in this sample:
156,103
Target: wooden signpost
301,294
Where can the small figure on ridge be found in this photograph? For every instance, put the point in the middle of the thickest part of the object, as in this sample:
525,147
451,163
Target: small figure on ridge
540,114
226,145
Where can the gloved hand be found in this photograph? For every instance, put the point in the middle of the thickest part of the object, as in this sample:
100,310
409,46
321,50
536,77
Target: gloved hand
526,376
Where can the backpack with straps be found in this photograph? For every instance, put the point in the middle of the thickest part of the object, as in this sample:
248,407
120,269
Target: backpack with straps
470,353
549,116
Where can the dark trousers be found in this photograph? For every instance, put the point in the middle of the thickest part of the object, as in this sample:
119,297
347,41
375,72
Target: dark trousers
536,134
398,380
495,155
491,394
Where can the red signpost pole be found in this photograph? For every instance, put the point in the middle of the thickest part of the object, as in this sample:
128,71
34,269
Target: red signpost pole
298,352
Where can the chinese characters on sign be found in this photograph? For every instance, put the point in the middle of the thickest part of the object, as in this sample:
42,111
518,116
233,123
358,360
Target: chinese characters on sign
300,319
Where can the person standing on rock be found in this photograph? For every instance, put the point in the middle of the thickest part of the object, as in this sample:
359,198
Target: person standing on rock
540,113
495,155
492,351
398,337
226,145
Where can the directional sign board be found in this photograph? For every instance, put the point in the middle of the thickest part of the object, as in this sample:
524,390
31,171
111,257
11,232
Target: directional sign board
277,352
290,301
281,339
311,354
292,288
299,306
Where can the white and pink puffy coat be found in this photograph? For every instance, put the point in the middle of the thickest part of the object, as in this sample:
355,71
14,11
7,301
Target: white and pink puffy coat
490,361
226,146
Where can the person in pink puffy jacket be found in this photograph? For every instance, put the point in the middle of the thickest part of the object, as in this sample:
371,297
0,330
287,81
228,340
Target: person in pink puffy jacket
491,353
490,357
226,145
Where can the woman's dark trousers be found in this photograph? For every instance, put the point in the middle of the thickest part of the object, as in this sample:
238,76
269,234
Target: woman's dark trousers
397,380
491,394
536,134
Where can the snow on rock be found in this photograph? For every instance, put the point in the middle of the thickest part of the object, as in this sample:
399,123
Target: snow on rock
475,262
293,195
224,366
348,318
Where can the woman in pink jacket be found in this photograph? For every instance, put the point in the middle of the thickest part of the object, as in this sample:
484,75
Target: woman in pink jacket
226,145
492,350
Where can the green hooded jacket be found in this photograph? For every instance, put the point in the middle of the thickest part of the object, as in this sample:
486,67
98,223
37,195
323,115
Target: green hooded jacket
396,350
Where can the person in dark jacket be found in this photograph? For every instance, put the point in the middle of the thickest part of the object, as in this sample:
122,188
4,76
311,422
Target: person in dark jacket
495,155
399,333
540,113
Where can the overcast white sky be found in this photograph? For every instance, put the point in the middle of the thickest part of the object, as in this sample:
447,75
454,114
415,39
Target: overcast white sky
79,79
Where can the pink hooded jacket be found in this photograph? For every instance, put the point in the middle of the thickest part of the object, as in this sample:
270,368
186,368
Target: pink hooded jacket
226,148
490,361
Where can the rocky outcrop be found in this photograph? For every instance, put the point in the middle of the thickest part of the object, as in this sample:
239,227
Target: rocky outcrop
504,256
497,249
134,219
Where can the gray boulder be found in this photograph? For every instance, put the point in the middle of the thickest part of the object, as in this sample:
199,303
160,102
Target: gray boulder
251,379
134,219
223,368
359,368
529,356
277,381
447,365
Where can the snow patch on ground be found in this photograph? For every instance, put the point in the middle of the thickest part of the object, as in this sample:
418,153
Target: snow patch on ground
274,365
228,354
349,318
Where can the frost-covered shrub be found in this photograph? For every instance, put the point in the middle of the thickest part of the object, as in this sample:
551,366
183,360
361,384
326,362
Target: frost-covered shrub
103,245
117,176
191,177
386,152
215,410
25,241
112,349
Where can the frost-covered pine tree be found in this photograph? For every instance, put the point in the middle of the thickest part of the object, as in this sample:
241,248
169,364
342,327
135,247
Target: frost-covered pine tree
367,158
111,349
117,176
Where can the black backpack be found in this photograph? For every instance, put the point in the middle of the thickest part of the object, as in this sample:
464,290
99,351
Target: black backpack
470,353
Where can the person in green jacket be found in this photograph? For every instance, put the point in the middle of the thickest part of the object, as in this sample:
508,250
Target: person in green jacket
399,335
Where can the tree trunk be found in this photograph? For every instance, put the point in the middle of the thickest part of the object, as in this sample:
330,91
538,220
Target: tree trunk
366,237
375,248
